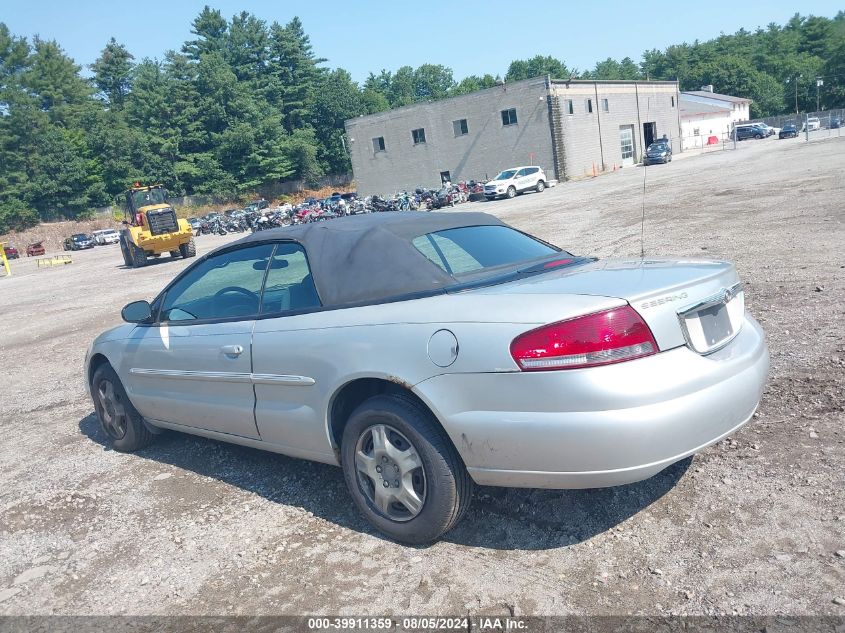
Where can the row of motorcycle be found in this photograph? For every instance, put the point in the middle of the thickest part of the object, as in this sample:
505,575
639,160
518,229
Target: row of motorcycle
339,205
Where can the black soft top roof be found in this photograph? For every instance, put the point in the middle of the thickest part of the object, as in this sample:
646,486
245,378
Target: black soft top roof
370,258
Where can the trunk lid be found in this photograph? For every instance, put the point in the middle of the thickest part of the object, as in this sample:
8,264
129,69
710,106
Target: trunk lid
684,302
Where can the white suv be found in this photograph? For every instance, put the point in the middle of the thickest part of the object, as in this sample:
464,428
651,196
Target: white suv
813,123
106,236
515,180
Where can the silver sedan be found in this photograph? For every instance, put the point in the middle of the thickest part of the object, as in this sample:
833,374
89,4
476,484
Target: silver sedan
427,352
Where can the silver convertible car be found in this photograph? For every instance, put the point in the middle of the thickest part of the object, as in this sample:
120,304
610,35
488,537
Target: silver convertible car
425,352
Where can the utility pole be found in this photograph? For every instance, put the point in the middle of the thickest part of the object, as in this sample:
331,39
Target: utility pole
819,84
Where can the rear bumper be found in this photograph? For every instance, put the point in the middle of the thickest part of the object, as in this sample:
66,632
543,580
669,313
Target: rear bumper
603,426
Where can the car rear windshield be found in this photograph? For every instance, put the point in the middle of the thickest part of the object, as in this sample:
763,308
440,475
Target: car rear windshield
473,249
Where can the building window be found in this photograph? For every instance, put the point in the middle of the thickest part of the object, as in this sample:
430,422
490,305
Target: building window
605,105
589,106
570,107
460,126
509,117
378,144
418,136
672,99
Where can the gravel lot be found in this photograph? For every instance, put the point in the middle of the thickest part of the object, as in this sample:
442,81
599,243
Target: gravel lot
192,526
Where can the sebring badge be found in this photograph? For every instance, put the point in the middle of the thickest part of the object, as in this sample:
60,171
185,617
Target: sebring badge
659,302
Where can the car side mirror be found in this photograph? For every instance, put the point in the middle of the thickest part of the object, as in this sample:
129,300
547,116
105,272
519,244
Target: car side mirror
137,312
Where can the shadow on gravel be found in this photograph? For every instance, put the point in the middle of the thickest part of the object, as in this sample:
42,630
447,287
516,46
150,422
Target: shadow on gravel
534,519
152,261
499,518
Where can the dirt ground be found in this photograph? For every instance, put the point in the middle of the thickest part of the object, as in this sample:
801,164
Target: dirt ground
753,525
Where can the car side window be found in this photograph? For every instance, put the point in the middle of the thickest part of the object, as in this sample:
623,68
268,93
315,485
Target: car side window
224,286
289,286
531,171
521,173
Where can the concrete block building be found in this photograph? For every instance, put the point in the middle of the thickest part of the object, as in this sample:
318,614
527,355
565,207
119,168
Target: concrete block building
571,129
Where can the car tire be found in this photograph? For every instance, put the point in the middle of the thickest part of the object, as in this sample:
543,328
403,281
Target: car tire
118,418
437,475
511,192
188,250
540,186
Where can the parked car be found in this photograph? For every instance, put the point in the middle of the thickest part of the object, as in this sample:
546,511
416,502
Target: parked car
11,252
743,132
512,181
790,130
256,206
78,242
34,250
105,236
835,123
767,130
658,152
425,352
196,225
812,123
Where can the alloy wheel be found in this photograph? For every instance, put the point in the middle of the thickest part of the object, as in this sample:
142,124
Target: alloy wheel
112,410
390,473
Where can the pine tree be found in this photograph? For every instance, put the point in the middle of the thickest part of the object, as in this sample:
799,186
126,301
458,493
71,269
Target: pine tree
112,73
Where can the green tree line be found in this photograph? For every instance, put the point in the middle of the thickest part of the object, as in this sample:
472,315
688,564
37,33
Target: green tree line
246,103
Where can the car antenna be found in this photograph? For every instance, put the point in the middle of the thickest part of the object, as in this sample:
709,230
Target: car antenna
642,220
645,173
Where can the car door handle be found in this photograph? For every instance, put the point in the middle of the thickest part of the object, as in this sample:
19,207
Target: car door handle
232,350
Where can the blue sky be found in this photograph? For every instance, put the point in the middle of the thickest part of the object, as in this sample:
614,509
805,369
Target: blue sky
470,37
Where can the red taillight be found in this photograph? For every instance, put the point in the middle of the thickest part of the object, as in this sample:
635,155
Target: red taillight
601,338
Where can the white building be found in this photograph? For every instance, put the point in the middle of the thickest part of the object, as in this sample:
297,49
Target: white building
707,117
738,106
703,124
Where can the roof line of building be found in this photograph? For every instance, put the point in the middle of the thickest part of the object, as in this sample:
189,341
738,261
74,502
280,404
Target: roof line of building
504,85
498,86
612,81
715,95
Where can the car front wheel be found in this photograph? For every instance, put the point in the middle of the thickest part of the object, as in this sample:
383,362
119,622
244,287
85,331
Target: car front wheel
119,420
402,470
511,192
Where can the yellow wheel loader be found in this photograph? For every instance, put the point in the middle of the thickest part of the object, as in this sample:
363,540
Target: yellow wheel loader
151,227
